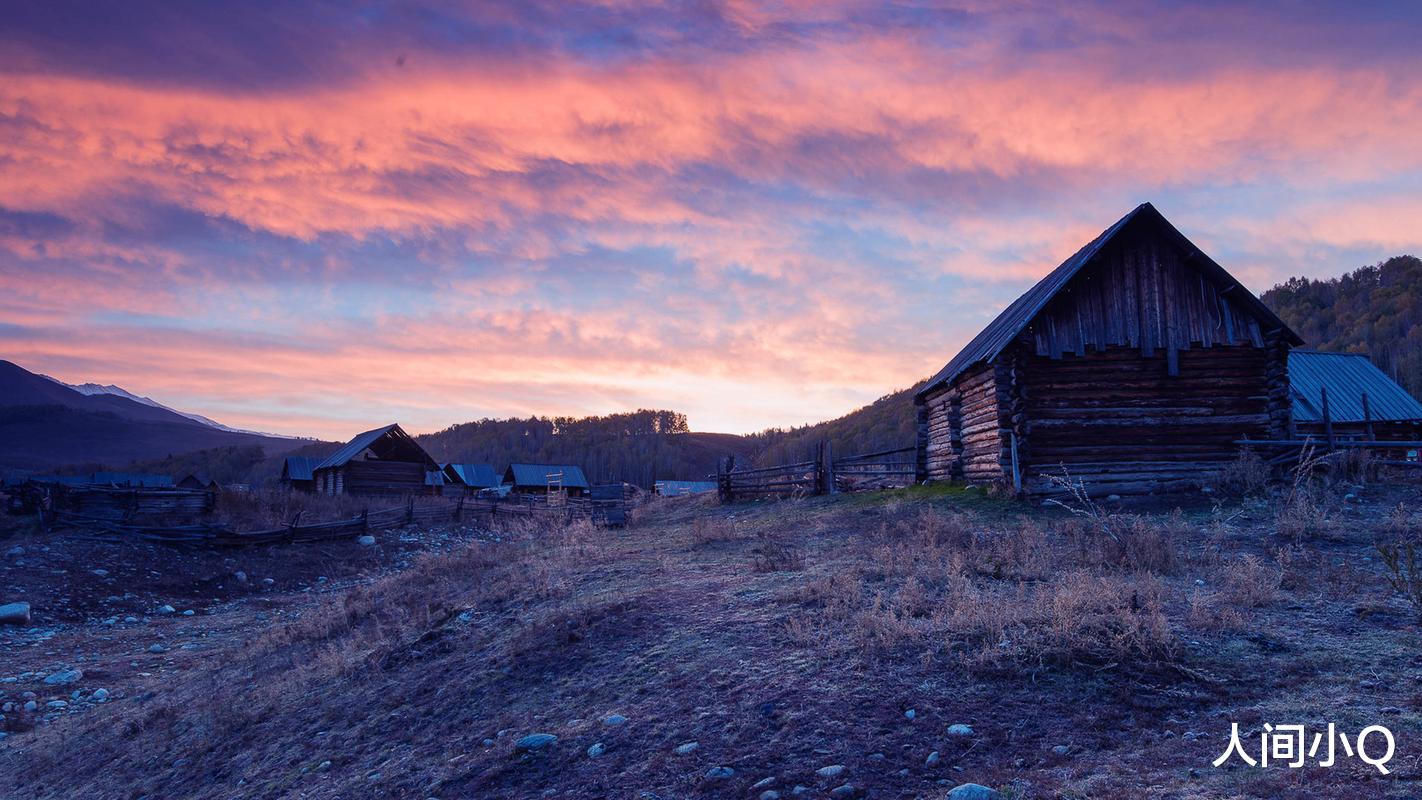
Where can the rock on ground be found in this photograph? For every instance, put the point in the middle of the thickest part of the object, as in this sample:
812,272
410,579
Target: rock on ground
534,741
64,677
832,771
973,791
15,614
960,730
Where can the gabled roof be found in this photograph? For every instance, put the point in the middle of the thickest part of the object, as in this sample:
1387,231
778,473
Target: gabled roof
1001,331
480,476
537,475
389,443
1347,376
298,468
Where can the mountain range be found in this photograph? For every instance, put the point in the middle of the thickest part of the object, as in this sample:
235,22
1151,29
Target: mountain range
46,424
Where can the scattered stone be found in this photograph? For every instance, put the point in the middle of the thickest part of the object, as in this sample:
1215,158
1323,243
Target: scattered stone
534,742
101,695
189,613
959,729
846,790
686,748
130,619
102,573
763,783
933,759
323,766
31,706
910,714
1113,498
240,576
597,750
157,648
613,719
770,794
64,677
365,540
15,614
973,791
719,773
1390,711
269,581
165,609
57,704
15,552
799,790
1062,749
832,771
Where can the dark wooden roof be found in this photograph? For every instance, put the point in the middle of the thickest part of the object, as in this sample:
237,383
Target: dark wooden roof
389,443
298,468
480,476
1001,331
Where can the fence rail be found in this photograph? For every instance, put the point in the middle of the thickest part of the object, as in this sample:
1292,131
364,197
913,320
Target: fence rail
602,510
823,474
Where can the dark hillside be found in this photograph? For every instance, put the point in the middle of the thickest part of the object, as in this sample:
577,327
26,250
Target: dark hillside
1375,310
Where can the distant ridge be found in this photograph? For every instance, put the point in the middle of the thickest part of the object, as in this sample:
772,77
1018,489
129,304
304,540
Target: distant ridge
91,389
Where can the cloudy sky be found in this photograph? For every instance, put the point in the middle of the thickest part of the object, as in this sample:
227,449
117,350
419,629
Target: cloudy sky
313,218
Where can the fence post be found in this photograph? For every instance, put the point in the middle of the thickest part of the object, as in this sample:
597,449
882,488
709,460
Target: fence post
365,520
459,508
830,485
1327,419
1016,471
410,510
1368,419
920,455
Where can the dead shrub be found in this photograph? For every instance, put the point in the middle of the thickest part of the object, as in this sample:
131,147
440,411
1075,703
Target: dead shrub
1127,541
1402,571
774,554
1249,582
708,530
1247,475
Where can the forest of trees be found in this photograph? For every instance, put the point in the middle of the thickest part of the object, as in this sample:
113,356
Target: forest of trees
1375,310
638,447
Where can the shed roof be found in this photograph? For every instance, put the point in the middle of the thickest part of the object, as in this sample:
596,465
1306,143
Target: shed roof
537,475
144,479
1001,331
389,443
298,468
1348,376
480,476
670,488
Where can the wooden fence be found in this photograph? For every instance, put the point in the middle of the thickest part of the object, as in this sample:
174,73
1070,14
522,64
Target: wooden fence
112,503
821,474
1395,453
600,510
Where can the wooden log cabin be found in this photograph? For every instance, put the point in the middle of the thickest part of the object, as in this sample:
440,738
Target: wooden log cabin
384,461
1134,366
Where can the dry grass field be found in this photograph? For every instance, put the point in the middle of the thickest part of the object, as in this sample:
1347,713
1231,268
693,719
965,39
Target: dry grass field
1091,653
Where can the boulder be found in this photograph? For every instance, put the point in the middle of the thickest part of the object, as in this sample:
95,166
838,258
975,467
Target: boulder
534,742
832,771
366,540
973,791
15,614
960,730
64,677
719,773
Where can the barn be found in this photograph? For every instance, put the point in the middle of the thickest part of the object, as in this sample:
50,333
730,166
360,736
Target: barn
1133,366
1362,400
383,461
540,478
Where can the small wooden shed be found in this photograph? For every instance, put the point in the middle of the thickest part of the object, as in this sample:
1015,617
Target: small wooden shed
1133,366
472,477
296,473
1362,399
540,478
383,461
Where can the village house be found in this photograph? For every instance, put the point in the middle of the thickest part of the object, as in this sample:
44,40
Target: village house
296,473
1133,367
383,461
473,478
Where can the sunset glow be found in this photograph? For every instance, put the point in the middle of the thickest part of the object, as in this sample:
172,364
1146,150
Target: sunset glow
312,222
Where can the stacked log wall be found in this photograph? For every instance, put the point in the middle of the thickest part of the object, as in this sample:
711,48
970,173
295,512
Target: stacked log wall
963,432
1122,423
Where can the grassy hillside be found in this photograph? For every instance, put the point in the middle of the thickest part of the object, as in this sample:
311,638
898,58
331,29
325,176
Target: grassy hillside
823,643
